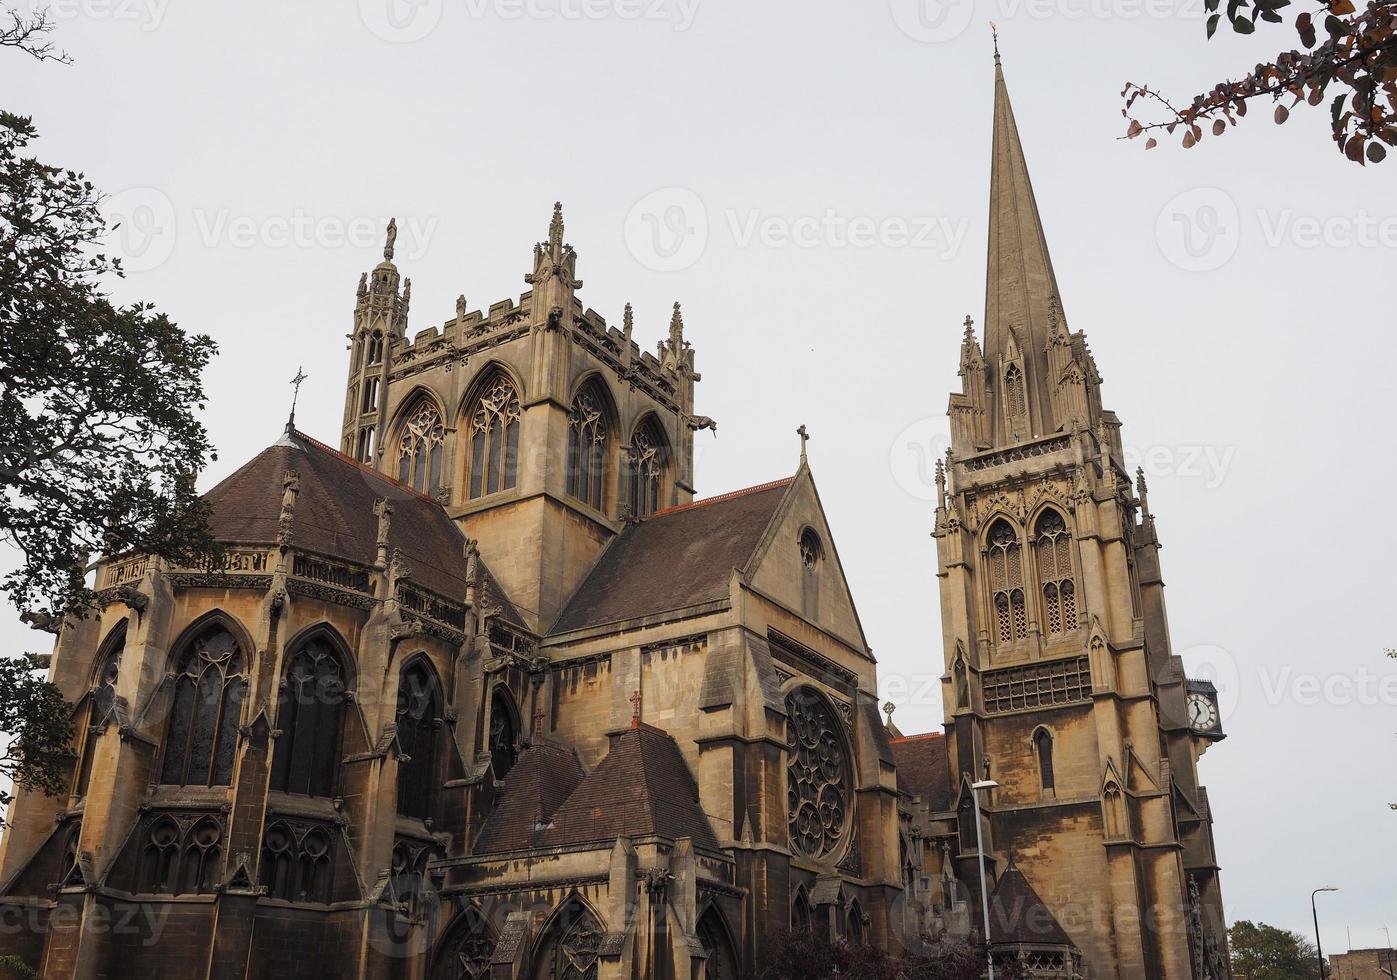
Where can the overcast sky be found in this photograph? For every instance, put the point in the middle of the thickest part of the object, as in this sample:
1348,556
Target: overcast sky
809,179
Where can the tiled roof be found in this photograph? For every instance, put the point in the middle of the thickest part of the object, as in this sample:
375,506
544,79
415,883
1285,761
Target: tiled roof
923,769
676,558
543,777
334,514
1018,915
642,787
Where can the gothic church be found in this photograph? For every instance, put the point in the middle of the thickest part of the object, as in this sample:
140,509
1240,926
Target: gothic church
485,692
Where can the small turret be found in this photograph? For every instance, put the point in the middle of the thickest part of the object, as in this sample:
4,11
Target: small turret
380,324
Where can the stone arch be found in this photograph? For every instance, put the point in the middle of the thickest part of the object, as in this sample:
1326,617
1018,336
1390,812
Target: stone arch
502,738
209,664
489,432
717,940
313,696
1042,743
421,703
569,944
592,436
416,440
465,948
649,466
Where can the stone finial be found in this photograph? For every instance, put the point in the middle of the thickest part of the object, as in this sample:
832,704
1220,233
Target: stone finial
461,307
804,434
1142,490
555,227
363,284
636,702
538,724
940,482
390,240
676,330
407,293
888,709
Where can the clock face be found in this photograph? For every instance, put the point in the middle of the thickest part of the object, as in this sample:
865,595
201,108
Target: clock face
1202,713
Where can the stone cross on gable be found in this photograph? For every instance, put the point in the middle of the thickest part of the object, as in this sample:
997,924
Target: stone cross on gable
636,701
804,439
295,395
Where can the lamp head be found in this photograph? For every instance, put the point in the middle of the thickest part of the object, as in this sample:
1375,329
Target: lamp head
985,784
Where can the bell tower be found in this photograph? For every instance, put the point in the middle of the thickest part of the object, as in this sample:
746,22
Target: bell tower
1060,684
380,323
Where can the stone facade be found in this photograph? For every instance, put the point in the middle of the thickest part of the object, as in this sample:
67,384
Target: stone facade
1364,964
485,692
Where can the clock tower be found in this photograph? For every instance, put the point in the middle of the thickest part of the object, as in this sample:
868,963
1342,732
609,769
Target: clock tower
1060,684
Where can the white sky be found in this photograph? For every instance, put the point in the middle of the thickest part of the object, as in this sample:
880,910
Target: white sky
1250,365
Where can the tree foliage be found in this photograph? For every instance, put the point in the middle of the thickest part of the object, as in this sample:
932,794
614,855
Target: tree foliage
1262,952
1347,49
100,442
34,716
804,956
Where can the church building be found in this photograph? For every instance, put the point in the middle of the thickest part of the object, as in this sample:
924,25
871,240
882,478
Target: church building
486,691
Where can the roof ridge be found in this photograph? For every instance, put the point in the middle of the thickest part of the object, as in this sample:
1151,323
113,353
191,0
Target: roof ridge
724,497
917,738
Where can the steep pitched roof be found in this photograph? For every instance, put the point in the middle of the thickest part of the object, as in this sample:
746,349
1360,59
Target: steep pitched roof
334,514
545,775
1018,915
676,558
1020,286
642,787
924,769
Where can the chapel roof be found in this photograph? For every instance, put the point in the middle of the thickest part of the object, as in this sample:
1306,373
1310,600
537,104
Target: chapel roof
641,787
679,557
924,769
1019,917
544,776
334,515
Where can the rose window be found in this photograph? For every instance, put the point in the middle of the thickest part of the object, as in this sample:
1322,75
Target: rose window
817,776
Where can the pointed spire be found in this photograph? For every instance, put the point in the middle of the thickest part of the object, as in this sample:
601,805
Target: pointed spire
1020,287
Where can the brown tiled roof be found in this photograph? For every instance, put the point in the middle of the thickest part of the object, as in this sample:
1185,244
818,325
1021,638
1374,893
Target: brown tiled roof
545,775
676,558
642,787
334,513
923,769
1018,915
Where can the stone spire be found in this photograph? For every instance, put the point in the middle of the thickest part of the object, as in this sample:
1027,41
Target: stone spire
1020,288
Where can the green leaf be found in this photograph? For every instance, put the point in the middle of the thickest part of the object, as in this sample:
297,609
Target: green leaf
1213,24
1242,26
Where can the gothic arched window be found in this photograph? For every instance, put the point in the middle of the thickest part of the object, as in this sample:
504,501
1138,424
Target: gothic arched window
817,775
1054,547
469,946
202,734
494,428
1014,398
587,448
855,930
376,348
646,468
801,919
573,946
1043,747
420,448
504,734
1006,583
101,702
713,935
296,862
310,712
1116,820
419,719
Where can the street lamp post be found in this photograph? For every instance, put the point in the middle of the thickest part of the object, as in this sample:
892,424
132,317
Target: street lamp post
980,850
1319,946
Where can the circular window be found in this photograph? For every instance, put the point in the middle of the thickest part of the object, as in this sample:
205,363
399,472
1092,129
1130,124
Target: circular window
811,551
817,775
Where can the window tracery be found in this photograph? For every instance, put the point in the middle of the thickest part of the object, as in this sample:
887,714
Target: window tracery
504,735
817,775
647,465
181,855
811,550
1043,746
420,450
586,449
310,713
418,719
494,427
1006,583
1054,546
471,948
296,863
1014,392
574,947
201,737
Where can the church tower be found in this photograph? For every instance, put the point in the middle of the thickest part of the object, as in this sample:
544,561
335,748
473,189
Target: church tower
1060,684
542,429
